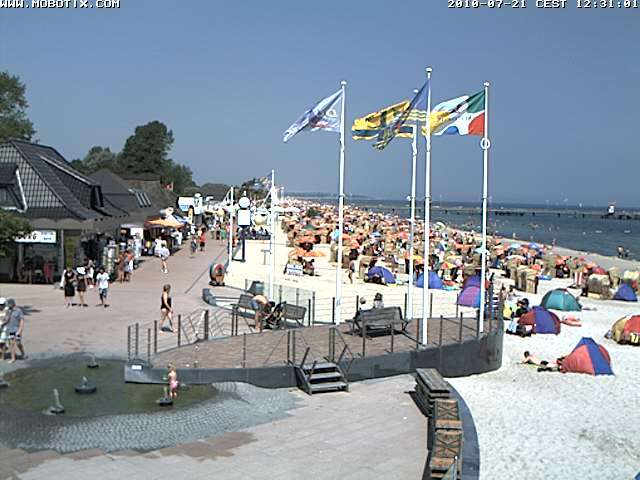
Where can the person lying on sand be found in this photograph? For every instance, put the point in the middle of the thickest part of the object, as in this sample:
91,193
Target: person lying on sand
531,359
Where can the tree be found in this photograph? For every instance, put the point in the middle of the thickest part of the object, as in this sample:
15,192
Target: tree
97,158
147,150
181,176
13,106
10,228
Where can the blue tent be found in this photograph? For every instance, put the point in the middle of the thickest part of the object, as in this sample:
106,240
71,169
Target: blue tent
434,281
470,297
382,272
625,293
473,281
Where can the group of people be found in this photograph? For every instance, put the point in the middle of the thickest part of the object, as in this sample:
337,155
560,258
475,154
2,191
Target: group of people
11,329
83,278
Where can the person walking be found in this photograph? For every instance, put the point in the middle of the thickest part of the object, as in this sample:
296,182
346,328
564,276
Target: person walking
103,287
166,308
203,239
164,255
193,245
68,283
15,328
81,285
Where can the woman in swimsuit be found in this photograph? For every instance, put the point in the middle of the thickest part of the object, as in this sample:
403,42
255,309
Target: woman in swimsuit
166,309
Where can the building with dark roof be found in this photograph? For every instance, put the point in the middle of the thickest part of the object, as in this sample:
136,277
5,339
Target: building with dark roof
135,201
67,210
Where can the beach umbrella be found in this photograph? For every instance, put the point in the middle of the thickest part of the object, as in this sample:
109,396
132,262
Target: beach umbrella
309,254
535,246
382,272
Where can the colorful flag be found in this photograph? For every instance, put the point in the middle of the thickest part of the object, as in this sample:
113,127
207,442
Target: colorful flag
459,116
325,115
371,125
394,129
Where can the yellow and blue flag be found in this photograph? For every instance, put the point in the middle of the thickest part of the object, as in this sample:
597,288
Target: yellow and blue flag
370,126
401,120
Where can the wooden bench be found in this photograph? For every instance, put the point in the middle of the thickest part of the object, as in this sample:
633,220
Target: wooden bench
447,446
286,312
244,304
446,415
378,321
430,386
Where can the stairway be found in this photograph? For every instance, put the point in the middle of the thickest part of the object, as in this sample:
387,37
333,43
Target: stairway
319,377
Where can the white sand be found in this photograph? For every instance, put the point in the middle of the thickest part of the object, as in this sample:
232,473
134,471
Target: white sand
530,425
559,426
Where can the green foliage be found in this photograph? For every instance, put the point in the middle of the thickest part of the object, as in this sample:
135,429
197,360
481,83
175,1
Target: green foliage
181,176
10,228
13,105
253,189
97,158
147,150
312,213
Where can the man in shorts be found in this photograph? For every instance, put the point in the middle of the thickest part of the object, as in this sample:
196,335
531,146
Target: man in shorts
102,280
15,327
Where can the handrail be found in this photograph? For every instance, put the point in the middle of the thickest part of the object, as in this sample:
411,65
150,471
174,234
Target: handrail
304,358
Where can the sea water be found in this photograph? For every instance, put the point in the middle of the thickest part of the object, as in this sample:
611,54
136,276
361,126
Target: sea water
577,228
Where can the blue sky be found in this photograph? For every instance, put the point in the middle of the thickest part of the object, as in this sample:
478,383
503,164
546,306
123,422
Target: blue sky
228,78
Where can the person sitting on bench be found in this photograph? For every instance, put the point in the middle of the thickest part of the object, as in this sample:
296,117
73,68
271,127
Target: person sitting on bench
260,304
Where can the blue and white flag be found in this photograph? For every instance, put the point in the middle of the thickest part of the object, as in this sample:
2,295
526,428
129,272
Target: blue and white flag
325,115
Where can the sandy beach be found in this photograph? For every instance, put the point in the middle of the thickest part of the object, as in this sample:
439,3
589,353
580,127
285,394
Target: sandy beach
530,425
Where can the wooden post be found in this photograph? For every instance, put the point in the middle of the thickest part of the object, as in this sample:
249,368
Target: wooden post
406,304
179,329
457,307
244,350
431,305
129,342
206,324
333,310
137,339
393,331
461,322
313,299
364,338
418,335
309,311
155,336
441,328
148,345
293,346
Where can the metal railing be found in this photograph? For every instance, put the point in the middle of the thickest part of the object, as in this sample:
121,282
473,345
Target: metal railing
147,339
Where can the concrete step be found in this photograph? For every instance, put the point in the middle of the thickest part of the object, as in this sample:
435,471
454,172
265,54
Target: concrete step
328,386
320,377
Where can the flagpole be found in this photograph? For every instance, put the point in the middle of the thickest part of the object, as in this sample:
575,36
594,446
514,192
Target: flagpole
272,237
427,215
412,200
485,145
231,211
338,305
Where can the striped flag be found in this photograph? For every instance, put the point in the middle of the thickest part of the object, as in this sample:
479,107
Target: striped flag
371,125
394,129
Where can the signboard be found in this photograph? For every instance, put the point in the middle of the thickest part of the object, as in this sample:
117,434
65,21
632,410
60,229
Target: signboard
244,218
39,236
294,269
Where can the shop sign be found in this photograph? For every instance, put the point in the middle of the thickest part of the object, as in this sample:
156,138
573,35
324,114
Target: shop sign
39,236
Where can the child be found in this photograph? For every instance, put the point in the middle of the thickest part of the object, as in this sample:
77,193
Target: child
193,245
173,381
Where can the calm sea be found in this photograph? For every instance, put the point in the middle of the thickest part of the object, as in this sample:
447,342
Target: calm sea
570,229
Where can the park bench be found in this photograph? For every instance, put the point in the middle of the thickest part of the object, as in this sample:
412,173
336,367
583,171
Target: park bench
244,304
285,313
430,386
378,321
